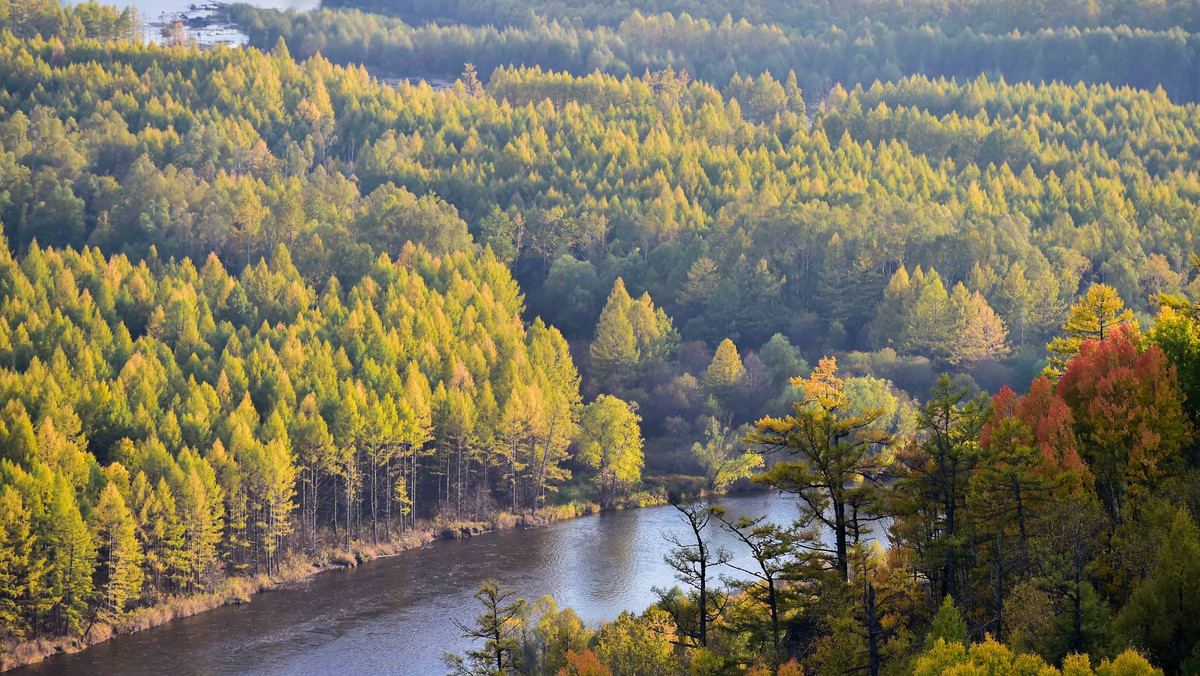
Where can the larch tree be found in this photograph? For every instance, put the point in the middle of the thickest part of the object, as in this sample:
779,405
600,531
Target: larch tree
72,559
890,326
202,513
500,626
1093,317
836,463
1176,331
725,373
614,351
121,558
930,321
19,571
979,333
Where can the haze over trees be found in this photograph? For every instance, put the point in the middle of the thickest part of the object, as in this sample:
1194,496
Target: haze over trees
259,309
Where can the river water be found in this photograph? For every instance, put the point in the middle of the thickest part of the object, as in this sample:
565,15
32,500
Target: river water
198,16
396,615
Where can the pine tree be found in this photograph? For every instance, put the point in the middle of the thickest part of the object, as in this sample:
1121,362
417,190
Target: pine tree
931,494
499,626
1163,615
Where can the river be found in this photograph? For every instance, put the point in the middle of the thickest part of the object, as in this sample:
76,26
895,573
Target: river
199,16
396,615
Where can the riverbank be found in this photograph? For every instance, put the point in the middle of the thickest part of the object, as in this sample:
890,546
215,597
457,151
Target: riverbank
294,570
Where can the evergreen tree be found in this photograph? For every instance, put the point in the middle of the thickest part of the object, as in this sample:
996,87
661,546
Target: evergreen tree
948,625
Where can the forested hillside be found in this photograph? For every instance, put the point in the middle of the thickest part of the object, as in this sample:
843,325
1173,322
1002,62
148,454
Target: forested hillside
202,422
718,47
955,15
1050,533
168,425
741,220
260,309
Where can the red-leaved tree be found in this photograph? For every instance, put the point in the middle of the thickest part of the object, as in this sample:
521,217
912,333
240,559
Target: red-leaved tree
1125,402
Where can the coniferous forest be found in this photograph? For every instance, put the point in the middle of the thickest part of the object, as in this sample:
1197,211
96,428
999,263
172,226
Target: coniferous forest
930,268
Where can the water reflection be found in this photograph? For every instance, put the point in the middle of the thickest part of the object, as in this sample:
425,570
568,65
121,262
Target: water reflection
395,616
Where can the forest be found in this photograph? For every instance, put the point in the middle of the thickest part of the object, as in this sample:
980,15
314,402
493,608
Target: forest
1049,532
715,47
928,265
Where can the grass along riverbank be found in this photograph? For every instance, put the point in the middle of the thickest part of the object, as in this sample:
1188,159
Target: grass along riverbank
295,568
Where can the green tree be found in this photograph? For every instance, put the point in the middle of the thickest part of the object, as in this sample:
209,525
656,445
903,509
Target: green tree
948,625
935,471
610,443
721,456
614,351
20,571
990,657
499,626
1163,615
72,559
121,557
837,464
776,554
782,359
